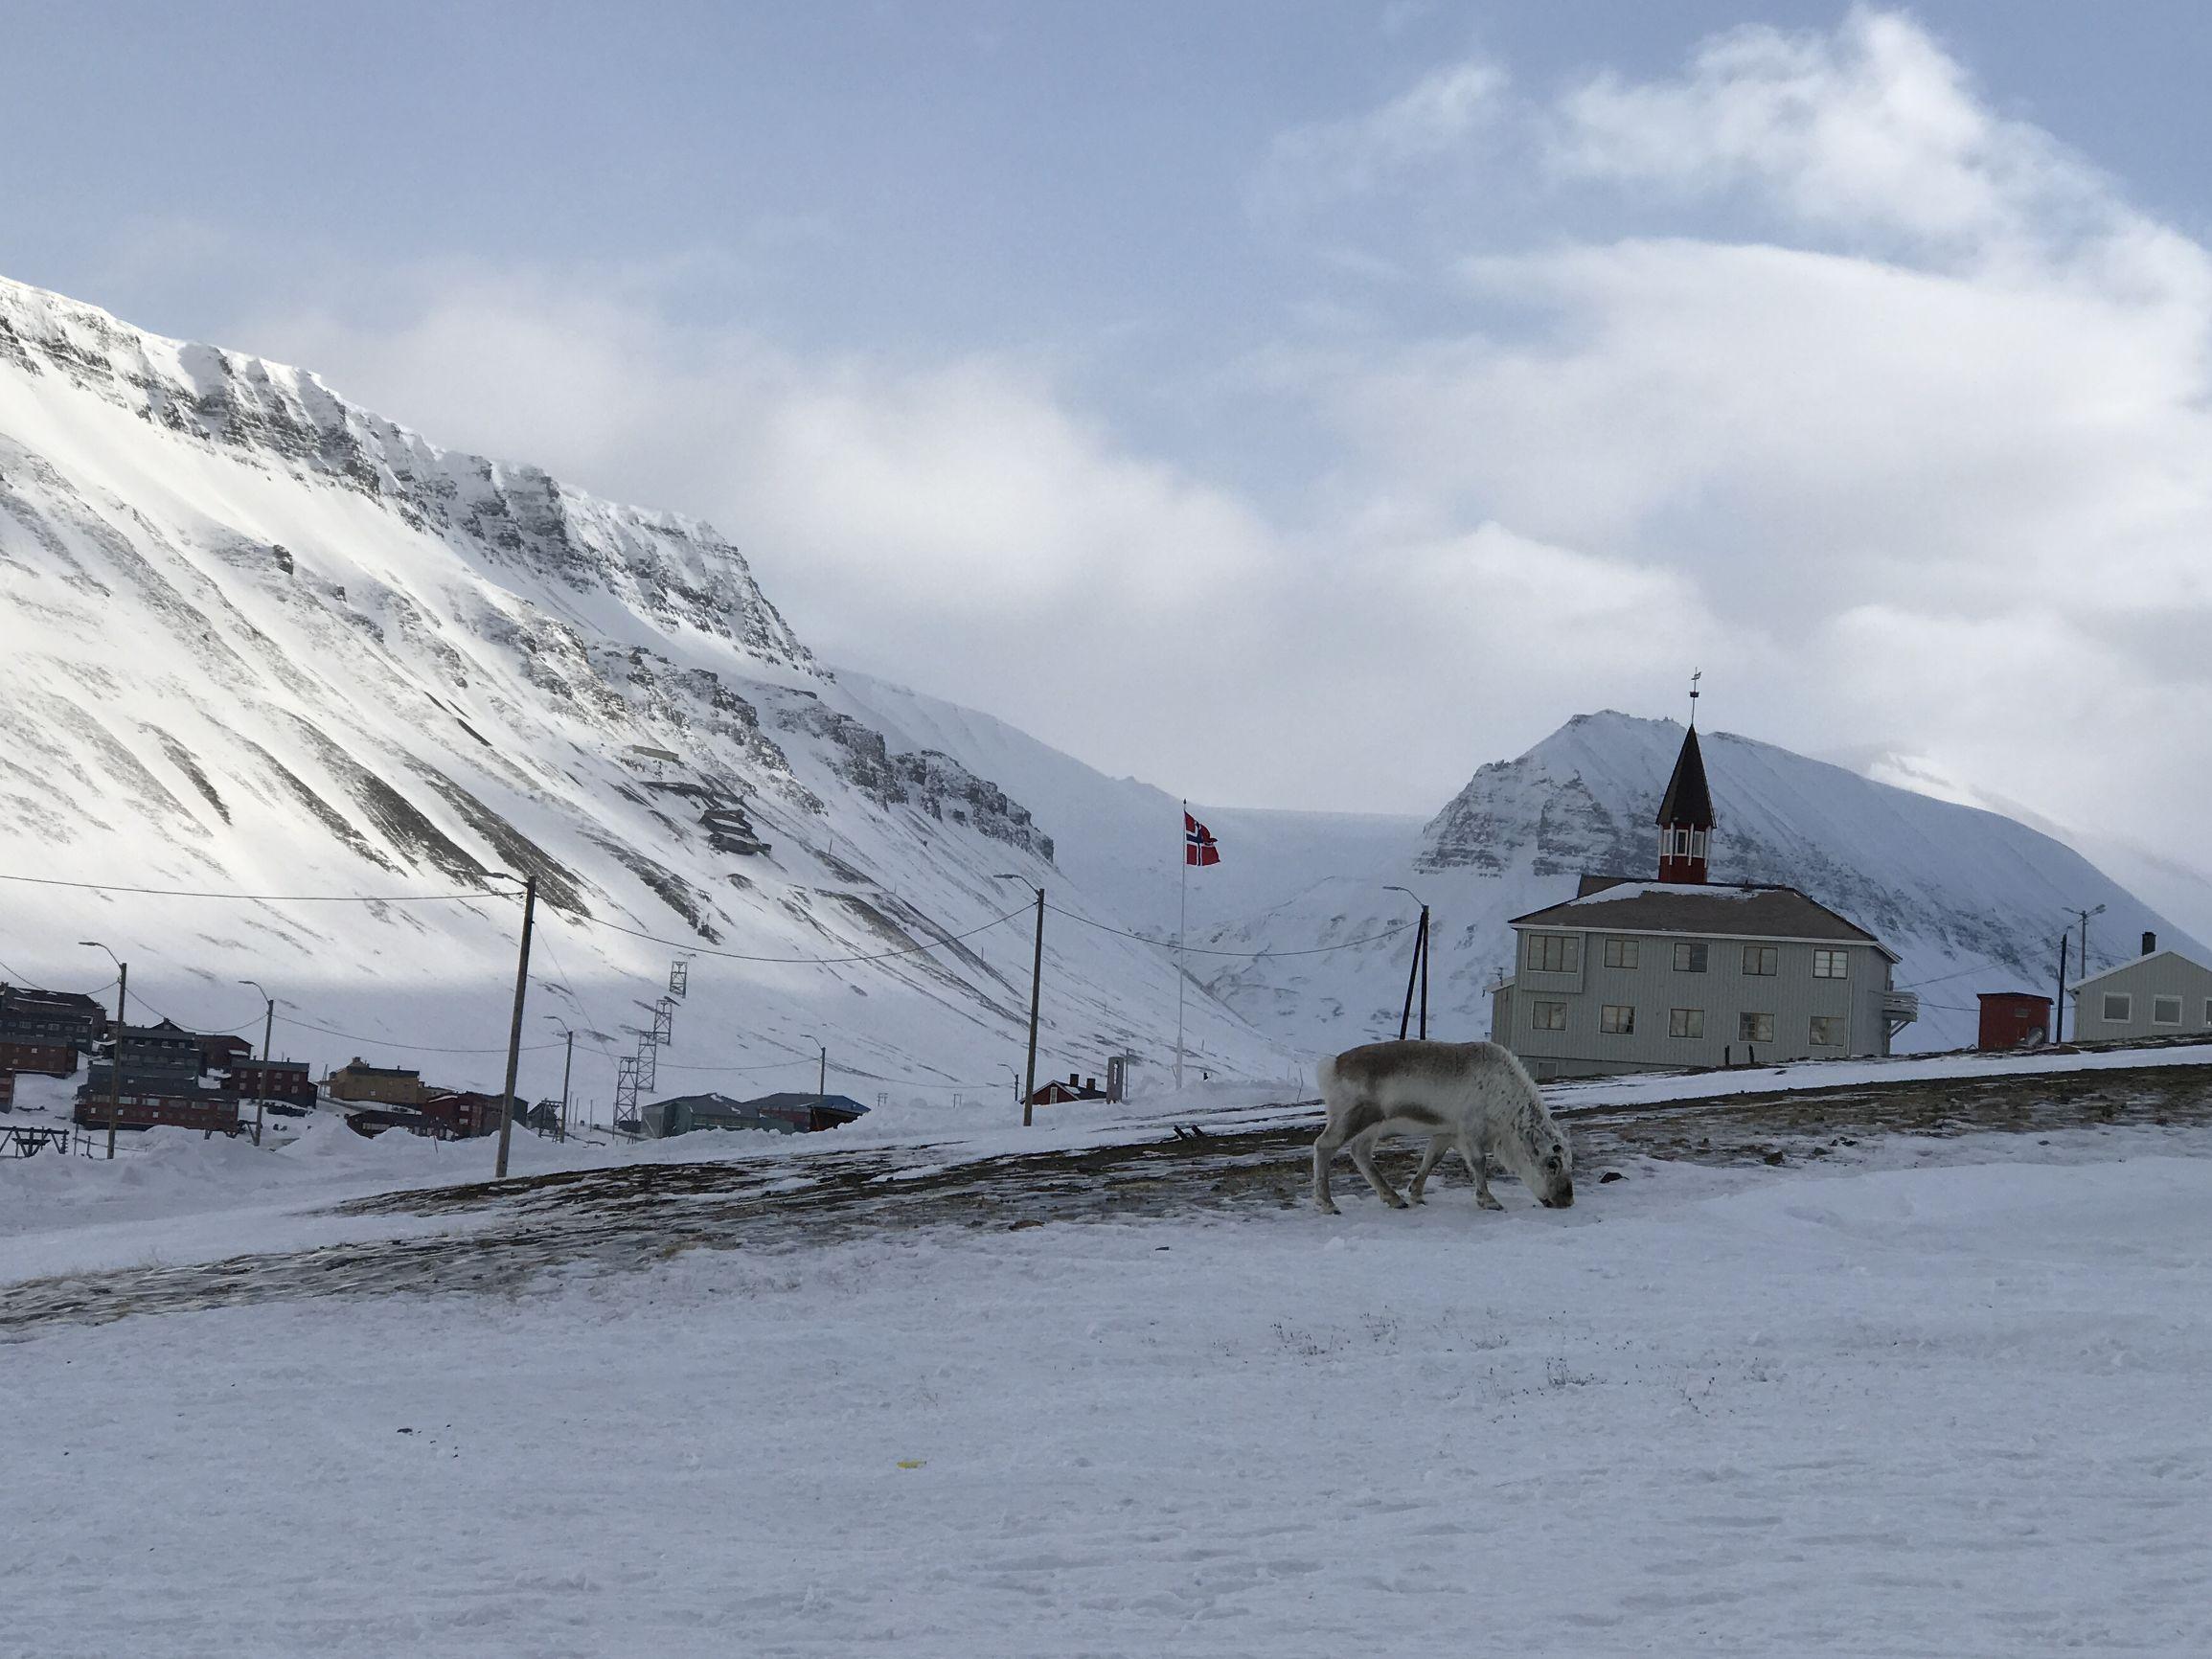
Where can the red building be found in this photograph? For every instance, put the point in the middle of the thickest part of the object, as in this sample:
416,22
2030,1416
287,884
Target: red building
274,1079
55,1059
1077,1088
460,1115
2014,1019
209,1111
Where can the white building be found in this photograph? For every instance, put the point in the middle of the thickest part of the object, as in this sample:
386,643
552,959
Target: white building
2160,993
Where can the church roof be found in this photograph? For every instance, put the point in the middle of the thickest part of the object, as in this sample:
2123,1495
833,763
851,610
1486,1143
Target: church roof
1725,911
1688,801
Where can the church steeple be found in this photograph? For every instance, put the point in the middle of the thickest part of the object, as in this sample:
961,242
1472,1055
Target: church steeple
1686,812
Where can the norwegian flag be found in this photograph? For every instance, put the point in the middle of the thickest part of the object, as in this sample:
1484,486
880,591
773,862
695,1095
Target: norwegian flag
1199,846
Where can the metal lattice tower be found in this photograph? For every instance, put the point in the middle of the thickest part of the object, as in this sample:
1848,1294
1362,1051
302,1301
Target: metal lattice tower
626,1088
679,977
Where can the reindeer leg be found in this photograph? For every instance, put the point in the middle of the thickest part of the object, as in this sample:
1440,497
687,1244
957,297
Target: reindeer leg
1438,1146
1364,1155
1479,1163
1324,1151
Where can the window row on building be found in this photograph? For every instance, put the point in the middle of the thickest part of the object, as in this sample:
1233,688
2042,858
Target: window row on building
1619,1019
1562,953
2120,1007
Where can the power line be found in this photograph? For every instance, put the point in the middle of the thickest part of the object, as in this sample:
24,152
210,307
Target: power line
800,961
261,898
1242,955
394,1043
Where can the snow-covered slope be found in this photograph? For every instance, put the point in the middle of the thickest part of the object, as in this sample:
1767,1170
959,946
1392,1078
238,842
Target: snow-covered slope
1972,900
261,640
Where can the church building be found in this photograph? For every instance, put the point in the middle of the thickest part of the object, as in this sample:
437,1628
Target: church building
1631,975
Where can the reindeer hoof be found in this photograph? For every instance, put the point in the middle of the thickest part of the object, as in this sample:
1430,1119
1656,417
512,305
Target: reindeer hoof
1326,1207
1487,1202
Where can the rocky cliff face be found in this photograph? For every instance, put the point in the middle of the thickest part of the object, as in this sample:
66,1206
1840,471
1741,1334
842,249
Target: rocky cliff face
264,640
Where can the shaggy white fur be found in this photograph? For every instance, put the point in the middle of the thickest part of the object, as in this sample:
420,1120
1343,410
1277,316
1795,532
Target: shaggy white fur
1475,1097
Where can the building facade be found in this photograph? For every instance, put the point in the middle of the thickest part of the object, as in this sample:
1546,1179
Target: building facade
1683,972
389,1085
2161,993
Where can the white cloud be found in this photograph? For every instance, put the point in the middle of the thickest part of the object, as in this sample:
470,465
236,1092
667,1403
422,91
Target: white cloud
1873,126
1925,463
1433,120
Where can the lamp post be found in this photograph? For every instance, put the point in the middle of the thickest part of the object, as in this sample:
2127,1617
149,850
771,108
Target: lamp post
262,1083
1036,990
822,1077
567,1065
2085,914
115,1054
1014,1073
1418,971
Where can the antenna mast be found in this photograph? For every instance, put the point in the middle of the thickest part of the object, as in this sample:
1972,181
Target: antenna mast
1695,676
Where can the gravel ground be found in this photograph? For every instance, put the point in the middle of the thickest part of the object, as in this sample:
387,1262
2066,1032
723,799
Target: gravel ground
635,1216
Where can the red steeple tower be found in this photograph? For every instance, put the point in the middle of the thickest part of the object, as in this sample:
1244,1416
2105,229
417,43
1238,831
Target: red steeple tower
1686,813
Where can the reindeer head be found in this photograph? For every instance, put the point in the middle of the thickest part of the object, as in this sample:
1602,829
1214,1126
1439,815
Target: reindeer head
1546,1161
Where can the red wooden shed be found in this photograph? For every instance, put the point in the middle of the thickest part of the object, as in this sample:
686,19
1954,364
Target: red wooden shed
2014,1019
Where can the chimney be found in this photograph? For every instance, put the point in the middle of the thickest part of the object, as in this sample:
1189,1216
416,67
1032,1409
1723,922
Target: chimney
2150,944
1071,1080
1090,1085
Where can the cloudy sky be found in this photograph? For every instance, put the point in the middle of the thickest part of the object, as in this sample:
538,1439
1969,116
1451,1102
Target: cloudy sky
1291,404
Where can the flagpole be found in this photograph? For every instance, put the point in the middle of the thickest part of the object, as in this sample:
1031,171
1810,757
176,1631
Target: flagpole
1183,921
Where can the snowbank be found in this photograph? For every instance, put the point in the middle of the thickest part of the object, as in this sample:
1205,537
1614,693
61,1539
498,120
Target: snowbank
1949,1409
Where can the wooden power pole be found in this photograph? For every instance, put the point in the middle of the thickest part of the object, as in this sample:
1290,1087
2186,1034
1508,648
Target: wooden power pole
514,1030
1036,987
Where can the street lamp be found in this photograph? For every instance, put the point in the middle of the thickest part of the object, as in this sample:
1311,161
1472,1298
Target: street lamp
1419,968
567,1064
115,1054
822,1078
1036,990
268,1031
1014,1073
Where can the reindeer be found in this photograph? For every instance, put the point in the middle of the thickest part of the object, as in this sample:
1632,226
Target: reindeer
1472,1097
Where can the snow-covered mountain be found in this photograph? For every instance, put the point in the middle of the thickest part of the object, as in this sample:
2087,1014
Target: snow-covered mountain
1970,899
259,640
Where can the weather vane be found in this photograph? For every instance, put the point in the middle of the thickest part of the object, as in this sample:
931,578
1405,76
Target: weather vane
1695,676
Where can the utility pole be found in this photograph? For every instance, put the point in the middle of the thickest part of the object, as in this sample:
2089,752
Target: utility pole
1036,990
1036,987
262,1083
567,1065
1418,973
115,1054
1014,1073
2059,1008
2085,914
514,1028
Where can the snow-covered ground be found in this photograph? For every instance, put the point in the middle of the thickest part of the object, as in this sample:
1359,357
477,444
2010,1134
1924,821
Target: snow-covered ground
174,1195
1947,1401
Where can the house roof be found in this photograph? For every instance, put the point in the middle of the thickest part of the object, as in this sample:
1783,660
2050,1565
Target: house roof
1724,910
2134,962
1688,801
360,1068
790,1100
